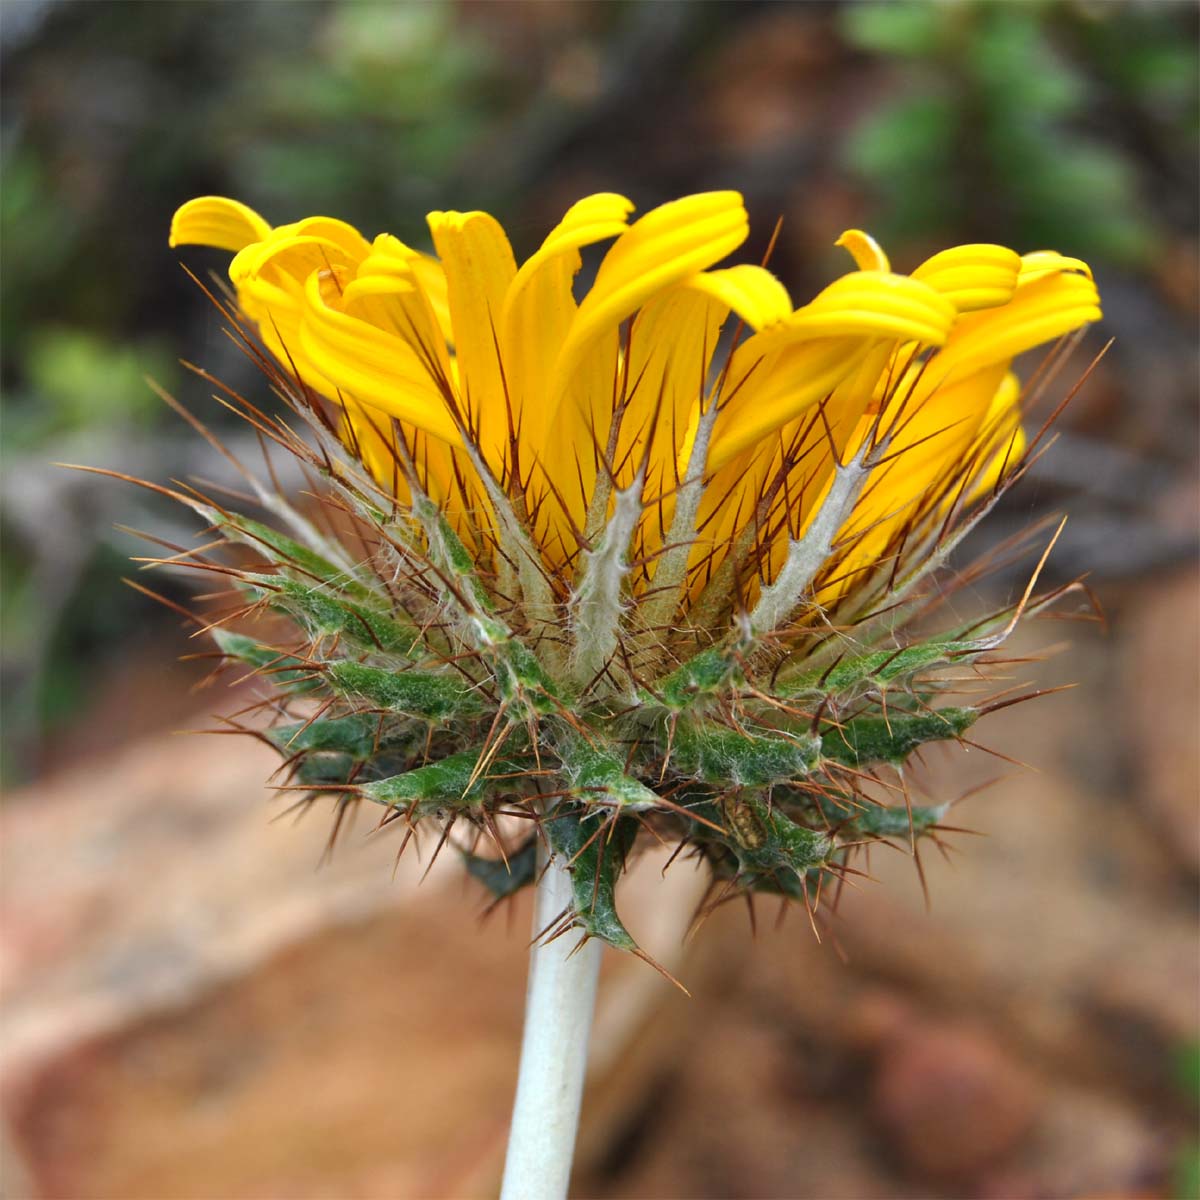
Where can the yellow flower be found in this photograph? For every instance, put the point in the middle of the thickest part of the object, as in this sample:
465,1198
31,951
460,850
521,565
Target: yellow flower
668,370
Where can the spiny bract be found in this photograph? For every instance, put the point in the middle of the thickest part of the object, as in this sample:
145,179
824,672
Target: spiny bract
646,559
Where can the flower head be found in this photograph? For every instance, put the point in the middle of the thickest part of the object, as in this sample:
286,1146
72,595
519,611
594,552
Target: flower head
654,514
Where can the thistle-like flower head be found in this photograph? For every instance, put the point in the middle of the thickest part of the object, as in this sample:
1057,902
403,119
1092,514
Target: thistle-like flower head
640,556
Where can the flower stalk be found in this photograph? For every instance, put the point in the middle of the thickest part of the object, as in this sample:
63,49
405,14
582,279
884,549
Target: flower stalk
559,1002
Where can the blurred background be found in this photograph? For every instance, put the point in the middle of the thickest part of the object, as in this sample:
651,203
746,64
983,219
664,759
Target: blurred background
193,1010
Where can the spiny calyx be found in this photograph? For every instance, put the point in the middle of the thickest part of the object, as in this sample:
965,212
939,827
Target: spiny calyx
443,710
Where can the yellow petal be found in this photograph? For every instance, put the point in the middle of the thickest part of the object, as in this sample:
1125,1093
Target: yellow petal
670,345
285,260
684,334
965,409
407,345
972,426
390,256
388,292
590,220
1047,308
479,266
270,277
789,383
369,433
431,275
865,250
752,292
1007,450
374,366
771,418
399,307
777,374
776,485
1044,262
1001,434
364,286
376,436
1005,405
328,229
937,429
540,306
662,248
216,221
972,277
875,304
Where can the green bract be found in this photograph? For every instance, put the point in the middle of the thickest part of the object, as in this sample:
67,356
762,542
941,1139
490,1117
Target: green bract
750,754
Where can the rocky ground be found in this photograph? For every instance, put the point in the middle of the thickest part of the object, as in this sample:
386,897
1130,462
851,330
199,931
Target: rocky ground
194,1010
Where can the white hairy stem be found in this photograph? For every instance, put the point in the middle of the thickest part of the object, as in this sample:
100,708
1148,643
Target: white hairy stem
809,553
597,606
559,1002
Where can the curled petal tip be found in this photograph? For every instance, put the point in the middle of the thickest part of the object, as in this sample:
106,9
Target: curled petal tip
216,221
865,250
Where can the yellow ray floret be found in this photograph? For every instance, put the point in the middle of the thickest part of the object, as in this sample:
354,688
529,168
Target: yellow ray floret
487,375
972,277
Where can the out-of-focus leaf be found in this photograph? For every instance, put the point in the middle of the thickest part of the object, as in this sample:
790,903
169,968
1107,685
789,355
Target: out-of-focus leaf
1186,1184
1010,59
1187,1070
79,380
903,28
905,139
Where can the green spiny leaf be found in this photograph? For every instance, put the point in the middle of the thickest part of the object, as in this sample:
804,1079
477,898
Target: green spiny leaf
877,669
700,677
723,756
447,550
504,879
878,820
358,735
324,769
284,670
519,675
594,870
321,611
763,839
885,821
766,839
289,554
523,680
450,782
598,773
870,739
414,693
